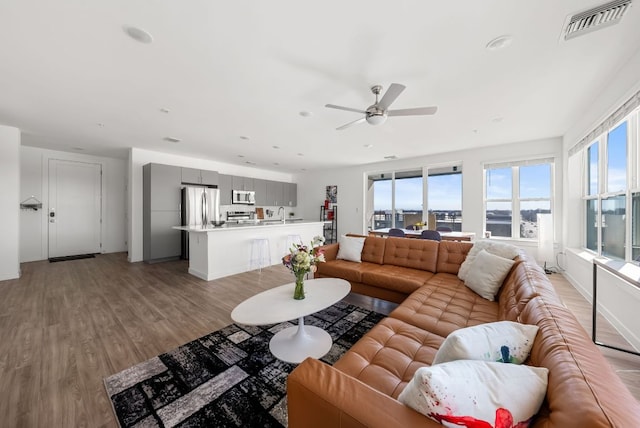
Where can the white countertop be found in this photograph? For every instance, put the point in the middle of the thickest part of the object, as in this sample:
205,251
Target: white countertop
230,226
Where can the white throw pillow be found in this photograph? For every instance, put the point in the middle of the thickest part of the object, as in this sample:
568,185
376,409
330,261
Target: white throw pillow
473,391
350,248
497,248
487,273
502,341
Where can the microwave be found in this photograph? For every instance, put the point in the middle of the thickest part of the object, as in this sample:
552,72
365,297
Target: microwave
244,197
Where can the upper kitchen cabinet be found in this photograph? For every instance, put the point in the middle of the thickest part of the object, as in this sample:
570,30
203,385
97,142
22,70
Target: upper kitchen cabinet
200,176
260,187
275,193
290,194
225,184
161,187
243,183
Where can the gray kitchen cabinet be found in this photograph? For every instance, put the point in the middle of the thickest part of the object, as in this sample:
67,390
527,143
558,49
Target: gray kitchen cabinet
225,184
160,211
275,193
242,183
199,176
165,242
260,187
161,184
290,194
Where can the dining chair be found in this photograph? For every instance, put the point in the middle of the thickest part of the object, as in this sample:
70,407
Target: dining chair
412,227
444,229
431,234
396,232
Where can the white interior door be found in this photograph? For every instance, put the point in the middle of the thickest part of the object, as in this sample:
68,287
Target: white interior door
75,199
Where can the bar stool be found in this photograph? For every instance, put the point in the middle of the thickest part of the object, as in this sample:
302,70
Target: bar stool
291,240
260,254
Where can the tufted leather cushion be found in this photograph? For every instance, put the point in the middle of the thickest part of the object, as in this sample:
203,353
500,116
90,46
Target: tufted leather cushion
344,269
412,253
373,250
451,254
581,382
445,304
402,279
389,354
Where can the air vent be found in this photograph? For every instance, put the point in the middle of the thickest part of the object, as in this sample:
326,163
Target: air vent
172,139
596,18
391,157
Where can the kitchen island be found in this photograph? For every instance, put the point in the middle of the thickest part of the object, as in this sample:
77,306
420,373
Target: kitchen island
215,252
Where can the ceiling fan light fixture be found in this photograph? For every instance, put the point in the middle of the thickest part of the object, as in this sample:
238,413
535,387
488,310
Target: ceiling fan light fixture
376,119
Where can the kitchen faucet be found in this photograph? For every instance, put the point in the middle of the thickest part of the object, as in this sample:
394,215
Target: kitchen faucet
282,218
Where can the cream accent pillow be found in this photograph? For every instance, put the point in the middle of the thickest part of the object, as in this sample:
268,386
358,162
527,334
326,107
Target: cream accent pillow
350,248
469,392
502,341
487,273
497,248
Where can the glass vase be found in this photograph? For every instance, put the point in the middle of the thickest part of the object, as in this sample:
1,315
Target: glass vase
298,292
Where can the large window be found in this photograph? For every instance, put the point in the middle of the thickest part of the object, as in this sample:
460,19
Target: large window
608,201
396,199
444,190
515,194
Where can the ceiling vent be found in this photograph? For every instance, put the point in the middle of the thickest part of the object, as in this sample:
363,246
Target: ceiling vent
596,18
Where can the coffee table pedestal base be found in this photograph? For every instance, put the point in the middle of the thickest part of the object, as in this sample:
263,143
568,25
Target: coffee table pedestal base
294,344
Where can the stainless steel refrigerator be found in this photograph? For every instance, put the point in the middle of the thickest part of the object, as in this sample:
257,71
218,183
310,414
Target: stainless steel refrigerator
200,208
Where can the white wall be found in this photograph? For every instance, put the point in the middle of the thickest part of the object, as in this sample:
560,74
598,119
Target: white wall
140,157
617,300
10,201
351,184
34,164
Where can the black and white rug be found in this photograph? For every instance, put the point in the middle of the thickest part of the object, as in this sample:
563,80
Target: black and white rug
227,378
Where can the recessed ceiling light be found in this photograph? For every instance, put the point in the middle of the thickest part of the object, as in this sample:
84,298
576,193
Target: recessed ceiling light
497,119
276,163
391,157
165,110
475,131
300,154
244,137
249,162
138,34
101,125
305,113
500,42
172,139
240,156
276,147
303,169
368,146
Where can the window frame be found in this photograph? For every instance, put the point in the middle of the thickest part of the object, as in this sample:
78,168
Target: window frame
516,200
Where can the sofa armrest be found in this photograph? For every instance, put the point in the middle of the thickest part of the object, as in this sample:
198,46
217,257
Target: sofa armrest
330,251
321,396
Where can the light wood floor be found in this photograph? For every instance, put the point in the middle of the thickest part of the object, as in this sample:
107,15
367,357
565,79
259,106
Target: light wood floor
65,326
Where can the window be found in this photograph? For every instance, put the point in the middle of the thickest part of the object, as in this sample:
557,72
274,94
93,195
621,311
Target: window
515,194
444,189
635,227
396,199
606,202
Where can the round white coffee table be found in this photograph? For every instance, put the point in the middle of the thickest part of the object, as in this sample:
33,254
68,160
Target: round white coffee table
277,305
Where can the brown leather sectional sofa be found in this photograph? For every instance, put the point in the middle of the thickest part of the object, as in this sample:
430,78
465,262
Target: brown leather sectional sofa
361,389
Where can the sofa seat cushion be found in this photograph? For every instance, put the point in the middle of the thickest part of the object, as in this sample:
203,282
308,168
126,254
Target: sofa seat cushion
444,305
389,354
404,280
350,271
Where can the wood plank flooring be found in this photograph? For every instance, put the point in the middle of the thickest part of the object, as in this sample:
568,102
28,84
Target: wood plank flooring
65,326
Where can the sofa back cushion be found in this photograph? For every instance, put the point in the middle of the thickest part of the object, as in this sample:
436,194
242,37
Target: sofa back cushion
373,250
583,389
451,254
412,253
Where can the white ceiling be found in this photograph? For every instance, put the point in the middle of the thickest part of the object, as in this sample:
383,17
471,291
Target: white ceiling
70,78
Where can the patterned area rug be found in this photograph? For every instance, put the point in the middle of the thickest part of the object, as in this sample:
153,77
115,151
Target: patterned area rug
227,378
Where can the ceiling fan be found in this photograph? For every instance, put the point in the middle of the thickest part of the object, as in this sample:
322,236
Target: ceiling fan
377,113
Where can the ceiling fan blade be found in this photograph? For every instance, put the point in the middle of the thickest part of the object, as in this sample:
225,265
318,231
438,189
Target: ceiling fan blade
355,110
355,122
419,111
390,96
